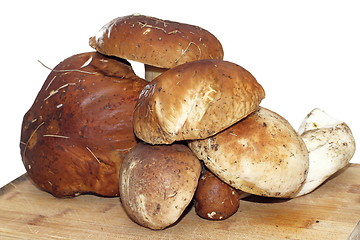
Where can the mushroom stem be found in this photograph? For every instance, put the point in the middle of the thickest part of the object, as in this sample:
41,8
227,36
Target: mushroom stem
152,72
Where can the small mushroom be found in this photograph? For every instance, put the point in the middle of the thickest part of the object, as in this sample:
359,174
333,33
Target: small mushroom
331,146
214,199
157,183
261,154
159,44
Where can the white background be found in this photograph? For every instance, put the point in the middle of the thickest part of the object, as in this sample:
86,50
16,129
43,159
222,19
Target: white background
306,54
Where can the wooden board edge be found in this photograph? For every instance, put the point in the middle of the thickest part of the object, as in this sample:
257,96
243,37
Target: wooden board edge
11,185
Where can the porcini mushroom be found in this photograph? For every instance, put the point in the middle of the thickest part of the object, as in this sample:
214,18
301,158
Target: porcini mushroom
159,44
261,154
79,128
157,183
214,199
331,146
195,100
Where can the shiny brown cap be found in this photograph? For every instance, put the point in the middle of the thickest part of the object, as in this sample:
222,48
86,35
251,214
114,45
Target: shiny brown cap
156,42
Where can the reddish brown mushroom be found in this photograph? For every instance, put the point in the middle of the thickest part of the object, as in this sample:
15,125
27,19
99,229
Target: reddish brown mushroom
77,132
214,199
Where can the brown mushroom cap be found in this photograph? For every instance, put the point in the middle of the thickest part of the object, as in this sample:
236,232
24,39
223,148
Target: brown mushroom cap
156,42
261,154
79,128
194,101
214,199
157,183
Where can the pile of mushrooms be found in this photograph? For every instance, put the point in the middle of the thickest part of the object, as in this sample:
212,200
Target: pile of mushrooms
199,131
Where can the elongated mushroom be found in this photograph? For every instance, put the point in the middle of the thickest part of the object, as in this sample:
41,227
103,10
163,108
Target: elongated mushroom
331,146
159,44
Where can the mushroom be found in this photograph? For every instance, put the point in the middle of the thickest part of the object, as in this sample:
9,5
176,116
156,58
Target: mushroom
194,101
79,128
214,199
331,146
157,183
261,154
159,44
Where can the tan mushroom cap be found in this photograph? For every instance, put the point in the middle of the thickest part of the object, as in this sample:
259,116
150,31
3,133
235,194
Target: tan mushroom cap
261,154
194,101
157,183
156,42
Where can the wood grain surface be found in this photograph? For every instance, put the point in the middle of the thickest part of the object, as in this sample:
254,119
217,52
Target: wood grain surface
330,212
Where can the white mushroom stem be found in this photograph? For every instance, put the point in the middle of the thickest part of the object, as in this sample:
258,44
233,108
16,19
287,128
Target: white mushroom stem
152,72
331,145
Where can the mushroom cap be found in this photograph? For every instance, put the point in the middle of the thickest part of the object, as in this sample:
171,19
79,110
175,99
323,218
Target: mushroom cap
214,199
261,154
157,183
79,127
194,101
331,146
156,42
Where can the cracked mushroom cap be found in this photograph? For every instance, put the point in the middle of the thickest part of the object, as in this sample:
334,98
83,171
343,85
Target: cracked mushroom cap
156,42
157,183
79,128
194,101
261,154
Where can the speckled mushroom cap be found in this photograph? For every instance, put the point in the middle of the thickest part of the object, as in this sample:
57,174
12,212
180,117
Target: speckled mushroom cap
195,100
261,154
157,183
156,42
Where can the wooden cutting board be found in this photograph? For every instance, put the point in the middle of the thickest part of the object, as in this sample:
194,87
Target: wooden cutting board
330,212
